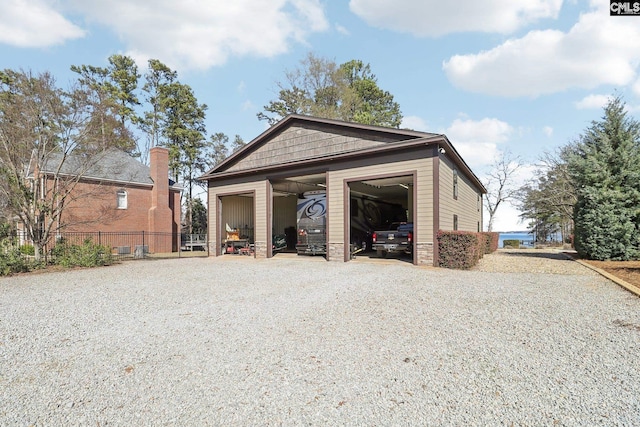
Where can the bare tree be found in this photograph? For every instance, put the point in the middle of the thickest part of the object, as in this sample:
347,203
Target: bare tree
49,140
500,185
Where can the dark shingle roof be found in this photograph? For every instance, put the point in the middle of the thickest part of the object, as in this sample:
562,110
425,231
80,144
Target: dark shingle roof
112,165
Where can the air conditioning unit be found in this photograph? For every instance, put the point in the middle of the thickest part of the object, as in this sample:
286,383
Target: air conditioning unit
140,251
123,250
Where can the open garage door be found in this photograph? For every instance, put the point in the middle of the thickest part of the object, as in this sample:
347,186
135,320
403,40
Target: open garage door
237,224
380,204
299,215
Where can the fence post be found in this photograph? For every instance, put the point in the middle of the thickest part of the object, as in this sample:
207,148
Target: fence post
100,238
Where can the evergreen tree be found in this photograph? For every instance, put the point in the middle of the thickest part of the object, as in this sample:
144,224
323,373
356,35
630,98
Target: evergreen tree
548,200
199,217
184,130
114,90
122,85
346,92
237,143
157,77
606,172
219,149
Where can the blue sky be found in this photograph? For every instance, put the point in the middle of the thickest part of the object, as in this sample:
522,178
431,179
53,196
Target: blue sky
496,75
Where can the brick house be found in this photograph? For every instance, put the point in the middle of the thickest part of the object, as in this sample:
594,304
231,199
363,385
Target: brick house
119,195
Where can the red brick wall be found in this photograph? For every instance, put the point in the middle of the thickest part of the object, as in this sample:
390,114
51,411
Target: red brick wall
95,209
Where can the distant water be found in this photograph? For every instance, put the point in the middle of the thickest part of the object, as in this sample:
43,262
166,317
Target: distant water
525,238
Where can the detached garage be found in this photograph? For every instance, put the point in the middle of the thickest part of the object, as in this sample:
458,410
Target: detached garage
367,176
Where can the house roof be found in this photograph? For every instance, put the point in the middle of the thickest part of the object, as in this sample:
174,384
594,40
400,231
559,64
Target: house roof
112,165
386,140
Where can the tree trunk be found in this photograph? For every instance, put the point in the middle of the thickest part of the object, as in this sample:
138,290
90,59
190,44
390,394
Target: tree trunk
37,251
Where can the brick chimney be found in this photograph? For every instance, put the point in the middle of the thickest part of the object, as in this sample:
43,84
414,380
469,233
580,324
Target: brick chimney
160,215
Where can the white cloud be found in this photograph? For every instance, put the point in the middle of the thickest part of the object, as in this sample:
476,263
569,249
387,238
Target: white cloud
247,105
477,154
477,140
596,50
33,23
414,123
485,130
592,102
342,30
636,87
437,17
548,130
507,218
199,34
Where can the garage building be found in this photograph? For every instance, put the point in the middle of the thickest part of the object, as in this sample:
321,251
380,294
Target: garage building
368,174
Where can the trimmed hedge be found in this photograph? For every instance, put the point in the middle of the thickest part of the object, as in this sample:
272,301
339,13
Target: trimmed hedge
511,243
491,240
460,249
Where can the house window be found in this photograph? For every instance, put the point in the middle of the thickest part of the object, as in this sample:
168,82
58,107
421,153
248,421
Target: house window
455,222
455,184
121,197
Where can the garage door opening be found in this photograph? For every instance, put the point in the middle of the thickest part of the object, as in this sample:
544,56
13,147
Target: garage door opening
299,215
379,207
237,226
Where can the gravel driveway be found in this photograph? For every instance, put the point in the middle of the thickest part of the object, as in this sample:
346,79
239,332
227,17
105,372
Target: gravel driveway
300,341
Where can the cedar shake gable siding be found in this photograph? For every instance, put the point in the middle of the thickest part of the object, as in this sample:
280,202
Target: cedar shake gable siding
302,138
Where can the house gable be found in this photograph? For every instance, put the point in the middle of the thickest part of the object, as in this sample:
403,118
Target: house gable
303,138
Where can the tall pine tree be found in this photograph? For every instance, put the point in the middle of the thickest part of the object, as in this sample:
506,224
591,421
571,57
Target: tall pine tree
606,172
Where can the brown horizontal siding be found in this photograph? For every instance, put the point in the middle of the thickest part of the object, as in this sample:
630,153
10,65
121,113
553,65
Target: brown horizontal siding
465,206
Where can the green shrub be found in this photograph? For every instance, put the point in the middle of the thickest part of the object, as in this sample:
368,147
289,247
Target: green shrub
27,250
13,261
459,249
511,243
88,254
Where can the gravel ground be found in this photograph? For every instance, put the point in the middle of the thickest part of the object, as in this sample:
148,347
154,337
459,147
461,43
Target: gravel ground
531,261
299,341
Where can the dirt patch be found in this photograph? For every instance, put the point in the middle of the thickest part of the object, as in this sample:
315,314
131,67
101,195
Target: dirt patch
629,271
